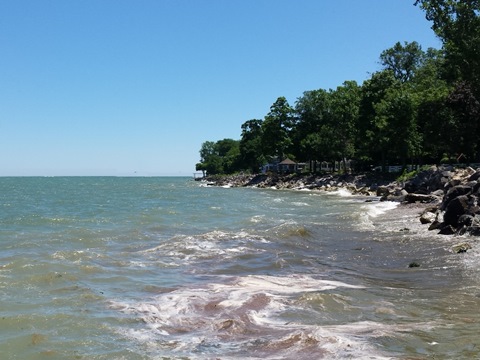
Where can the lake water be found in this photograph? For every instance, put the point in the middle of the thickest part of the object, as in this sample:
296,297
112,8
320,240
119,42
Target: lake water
165,268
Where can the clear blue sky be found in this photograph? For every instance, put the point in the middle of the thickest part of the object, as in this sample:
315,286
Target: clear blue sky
116,87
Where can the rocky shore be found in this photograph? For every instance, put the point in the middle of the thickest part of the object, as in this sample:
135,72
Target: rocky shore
449,196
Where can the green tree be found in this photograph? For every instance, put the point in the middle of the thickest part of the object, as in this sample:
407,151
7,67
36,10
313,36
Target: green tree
276,127
319,144
403,60
372,130
396,114
457,24
430,92
219,157
466,111
210,161
390,100
251,145
229,152
201,167
207,150
312,110
345,102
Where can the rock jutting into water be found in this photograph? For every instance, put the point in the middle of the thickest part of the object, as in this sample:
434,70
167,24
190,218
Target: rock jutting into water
451,194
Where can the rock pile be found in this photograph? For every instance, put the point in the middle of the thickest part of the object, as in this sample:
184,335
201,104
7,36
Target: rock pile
454,196
357,184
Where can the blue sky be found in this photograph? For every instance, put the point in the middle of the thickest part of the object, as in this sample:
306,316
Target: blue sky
116,87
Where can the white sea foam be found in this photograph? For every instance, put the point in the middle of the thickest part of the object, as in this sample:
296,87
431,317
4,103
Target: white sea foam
381,207
372,210
257,218
341,192
290,284
230,312
300,204
184,249
137,264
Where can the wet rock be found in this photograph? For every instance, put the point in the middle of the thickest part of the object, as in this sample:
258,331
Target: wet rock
428,180
455,192
447,174
428,217
433,209
471,184
435,225
400,192
383,191
413,198
394,198
465,220
473,230
475,176
461,248
414,184
456,208
476,189
363,191
453,183
447,230
439,193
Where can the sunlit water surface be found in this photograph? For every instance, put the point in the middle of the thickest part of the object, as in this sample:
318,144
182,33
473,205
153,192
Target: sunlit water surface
165,268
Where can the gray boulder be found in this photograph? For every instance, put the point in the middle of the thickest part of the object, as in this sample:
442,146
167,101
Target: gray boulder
421,198
456,208
428,181
475,176
455,192
428,217
447,230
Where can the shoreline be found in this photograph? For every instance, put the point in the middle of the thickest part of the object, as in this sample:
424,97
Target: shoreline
447,198
362,184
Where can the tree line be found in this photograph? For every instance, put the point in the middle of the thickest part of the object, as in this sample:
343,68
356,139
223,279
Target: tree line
423,106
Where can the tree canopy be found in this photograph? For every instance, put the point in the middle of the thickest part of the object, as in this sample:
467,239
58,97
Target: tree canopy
422,106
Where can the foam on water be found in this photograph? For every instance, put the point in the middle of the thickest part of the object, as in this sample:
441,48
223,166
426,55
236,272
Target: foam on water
257,218
378,208
183,250
300,204
341,192
249,315
372,210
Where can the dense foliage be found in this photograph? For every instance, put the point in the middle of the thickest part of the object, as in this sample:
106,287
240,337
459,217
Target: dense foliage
421,107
